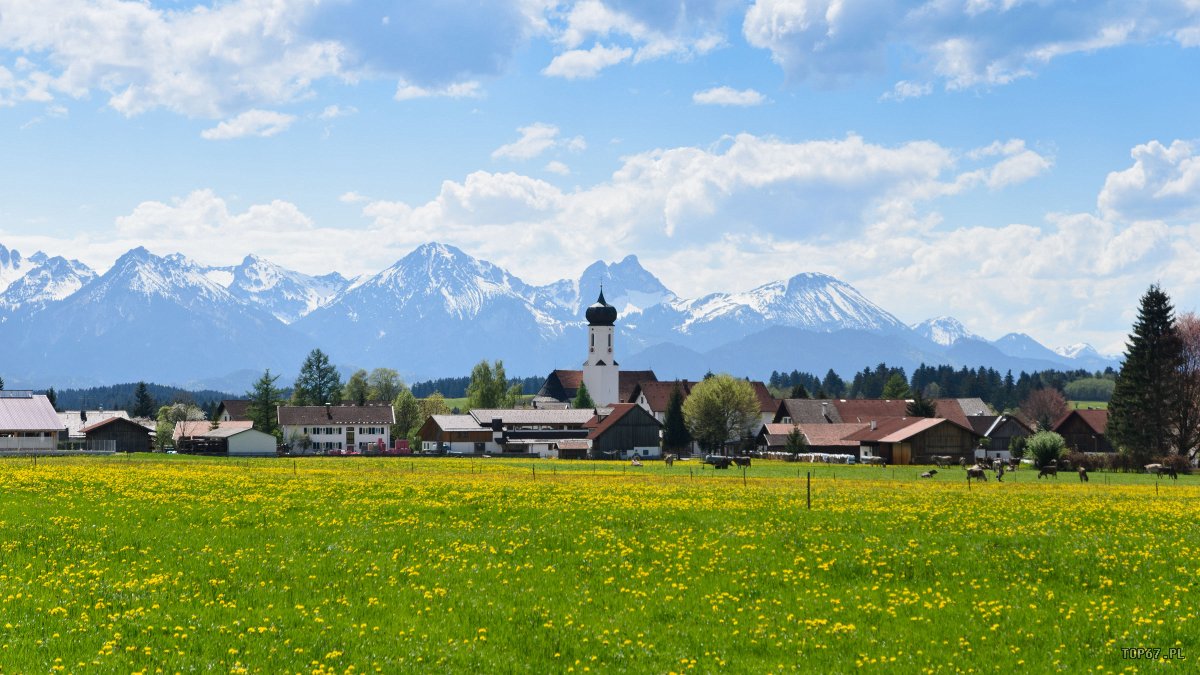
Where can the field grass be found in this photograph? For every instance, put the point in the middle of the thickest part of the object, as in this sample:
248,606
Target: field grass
1088,405
395,565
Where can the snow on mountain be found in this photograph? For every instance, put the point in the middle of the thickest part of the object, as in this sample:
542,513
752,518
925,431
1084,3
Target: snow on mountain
286,294
13,266
49,280
943,330
627,286
1077,350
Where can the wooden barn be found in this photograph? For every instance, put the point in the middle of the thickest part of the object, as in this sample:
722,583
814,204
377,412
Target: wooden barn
914,440
124,434
1083,430
627,431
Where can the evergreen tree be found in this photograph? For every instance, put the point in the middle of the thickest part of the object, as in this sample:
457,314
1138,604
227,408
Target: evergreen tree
832,384
357,390
796,442
319,382
675,433
798,391
143,404
1146,392
52,396
583,400
896,387
265,399
920,406
1,384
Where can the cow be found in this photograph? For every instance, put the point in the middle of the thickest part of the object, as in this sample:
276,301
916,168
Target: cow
1161,470
1083,476
741,461
1048,471
874,461
669,459
942,461
929,474
718,461
977,472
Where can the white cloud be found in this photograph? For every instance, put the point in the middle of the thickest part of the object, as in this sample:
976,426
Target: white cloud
261,123
650,30
469,89
536,139
979,43
728,96
353,198
557,167
1163,184
335,111
583,64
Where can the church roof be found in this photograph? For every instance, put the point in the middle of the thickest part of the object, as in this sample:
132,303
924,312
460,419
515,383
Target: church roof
601,313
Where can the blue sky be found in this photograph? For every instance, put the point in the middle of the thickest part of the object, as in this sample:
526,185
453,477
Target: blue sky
1023,166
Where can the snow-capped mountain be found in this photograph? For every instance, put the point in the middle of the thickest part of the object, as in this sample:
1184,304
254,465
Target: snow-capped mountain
437,302
154,318
438,311
1077,350
943,330
48,280
286,294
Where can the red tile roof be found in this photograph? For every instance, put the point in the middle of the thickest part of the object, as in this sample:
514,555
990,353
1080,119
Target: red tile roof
319,415
867,409
658,394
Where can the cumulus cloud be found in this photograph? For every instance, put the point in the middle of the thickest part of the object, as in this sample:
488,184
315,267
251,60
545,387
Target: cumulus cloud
332,112
557,167
978,43
1163,184
261,123
536,139
470,89
583,64
728,96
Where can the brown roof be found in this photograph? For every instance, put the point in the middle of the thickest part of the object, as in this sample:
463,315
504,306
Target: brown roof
237,409
899,429
1097,420
658,394
318,415
619,410
569,444
809,410
766,402
867,409
831,434
569,380
109,420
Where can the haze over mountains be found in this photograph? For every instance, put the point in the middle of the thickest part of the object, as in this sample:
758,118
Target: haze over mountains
438,311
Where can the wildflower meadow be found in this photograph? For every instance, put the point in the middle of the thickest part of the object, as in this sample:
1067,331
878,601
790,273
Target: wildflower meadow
181,564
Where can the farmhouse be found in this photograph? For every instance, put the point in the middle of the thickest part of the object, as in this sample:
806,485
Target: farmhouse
536,431
624,432
913,440
455,435
73,421
27,422
1083,430
117,434
999,430
336,428
824,438
858,410
232,410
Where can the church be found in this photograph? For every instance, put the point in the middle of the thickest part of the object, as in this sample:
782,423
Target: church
605,381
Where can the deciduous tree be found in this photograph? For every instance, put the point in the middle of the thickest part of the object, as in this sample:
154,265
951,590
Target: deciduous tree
720,408
385,384
1044,406
1187,416
357,390
896,387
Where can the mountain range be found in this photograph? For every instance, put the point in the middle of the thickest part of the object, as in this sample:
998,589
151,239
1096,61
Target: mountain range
436,312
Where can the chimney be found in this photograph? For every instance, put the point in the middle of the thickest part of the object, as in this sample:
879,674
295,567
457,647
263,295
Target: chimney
873,425
82,416
328,412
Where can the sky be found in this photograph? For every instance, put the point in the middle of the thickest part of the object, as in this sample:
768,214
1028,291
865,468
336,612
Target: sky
1028,166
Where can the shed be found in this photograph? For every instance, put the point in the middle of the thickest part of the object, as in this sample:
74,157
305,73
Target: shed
1084,430
27,422
245,442
117,434
913,440
627,431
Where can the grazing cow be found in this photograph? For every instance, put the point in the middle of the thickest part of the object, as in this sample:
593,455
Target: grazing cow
977,472
929,474
669,459
874,461
1048,471
1013,463
1161,470
1083,476
942,461
741,461
718,461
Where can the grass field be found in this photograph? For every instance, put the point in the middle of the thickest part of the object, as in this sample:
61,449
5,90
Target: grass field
1088,405
355,564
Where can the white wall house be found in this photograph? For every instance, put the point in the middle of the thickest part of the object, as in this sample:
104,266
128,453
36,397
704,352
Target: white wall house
325,429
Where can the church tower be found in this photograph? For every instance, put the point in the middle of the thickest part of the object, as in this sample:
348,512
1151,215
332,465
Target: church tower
601,372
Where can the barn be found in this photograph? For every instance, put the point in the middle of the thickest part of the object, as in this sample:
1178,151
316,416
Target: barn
118,434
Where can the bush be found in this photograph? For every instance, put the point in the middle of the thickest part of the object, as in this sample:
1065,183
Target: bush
1016,446
1091,462
1176,461
1045,447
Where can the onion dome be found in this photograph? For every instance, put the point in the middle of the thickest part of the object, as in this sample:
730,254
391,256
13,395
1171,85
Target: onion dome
601,313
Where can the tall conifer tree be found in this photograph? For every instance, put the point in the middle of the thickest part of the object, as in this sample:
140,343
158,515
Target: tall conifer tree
1139,414
675,432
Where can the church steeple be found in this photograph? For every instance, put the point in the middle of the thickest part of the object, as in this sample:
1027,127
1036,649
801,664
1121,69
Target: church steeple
601,313
601,373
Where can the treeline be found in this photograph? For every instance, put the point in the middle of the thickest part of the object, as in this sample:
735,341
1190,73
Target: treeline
124,397
1002,391
456,387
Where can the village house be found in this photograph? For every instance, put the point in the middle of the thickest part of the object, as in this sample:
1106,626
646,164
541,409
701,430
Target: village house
915,440
28,422
1083,430
232,410
999,430
118,434
822,438
623,432
456,435
73,422
336,428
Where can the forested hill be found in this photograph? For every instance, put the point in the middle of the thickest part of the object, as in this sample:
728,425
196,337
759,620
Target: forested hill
121,397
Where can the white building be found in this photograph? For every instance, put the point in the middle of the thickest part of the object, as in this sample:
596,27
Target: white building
601,373
323,429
